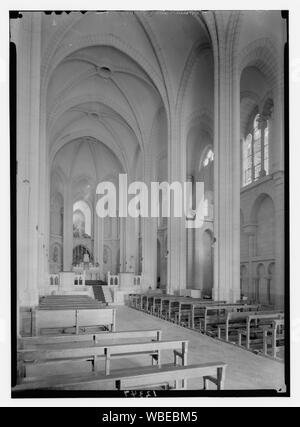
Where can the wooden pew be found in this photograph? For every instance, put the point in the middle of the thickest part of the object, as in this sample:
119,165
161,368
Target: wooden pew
132,300
44,340
241,322
62,352
172,304
155,307
273,334
172,376
219,313
213,372
259,319
191,309
74,318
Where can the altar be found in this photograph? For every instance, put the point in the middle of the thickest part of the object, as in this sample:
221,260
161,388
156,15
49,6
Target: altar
90,271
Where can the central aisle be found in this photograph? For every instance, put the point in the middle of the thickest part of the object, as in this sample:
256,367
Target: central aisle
245,370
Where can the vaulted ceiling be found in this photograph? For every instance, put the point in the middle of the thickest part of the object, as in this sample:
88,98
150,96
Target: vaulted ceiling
111,79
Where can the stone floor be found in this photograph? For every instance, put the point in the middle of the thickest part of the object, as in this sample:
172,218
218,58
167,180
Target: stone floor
245,369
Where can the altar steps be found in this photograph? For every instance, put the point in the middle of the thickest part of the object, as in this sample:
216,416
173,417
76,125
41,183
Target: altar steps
102,294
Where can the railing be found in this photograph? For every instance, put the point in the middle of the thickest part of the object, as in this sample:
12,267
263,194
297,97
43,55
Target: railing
79,279
54,279
112,279
137,280
92,273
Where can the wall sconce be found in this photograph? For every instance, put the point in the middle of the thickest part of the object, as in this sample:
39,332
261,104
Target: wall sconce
167,254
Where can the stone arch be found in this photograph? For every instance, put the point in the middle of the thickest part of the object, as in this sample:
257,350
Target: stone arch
262,54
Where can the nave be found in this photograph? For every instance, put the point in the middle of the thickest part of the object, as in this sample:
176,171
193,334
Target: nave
111,106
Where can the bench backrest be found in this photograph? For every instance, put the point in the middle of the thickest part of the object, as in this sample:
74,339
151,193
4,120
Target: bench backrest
99,350
126,379
170,375
28,342
250,315
70,318
265,315
233,307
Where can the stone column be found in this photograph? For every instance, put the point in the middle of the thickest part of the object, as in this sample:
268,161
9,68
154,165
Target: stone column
68,229
262,126
250,230
122,245
278,141
149,252
278,130
227,156
28,161
279,290
176,226
98,240
271,146
149,229
190,251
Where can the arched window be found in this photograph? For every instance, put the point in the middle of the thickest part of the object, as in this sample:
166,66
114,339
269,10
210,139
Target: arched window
256,151
81,219
208,158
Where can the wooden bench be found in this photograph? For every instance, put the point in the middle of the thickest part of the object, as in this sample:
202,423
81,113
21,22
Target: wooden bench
170,375
259,319
273,334
62,352
237,321
73,318
183,318
43,340
219,313
132,300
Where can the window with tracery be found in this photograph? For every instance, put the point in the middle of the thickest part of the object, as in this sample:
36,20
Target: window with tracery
256,151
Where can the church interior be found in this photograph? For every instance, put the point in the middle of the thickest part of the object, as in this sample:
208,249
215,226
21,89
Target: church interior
128,303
